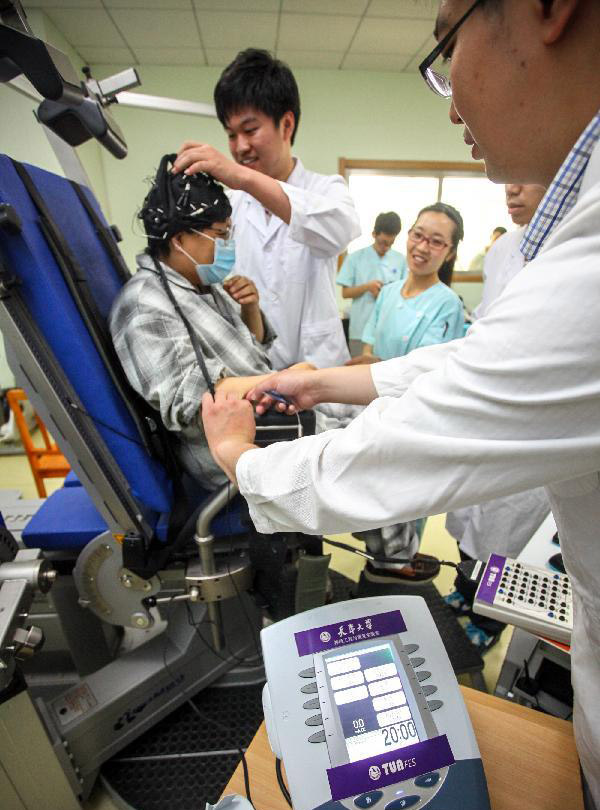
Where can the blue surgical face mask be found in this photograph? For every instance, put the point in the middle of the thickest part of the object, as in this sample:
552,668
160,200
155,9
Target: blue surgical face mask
223,262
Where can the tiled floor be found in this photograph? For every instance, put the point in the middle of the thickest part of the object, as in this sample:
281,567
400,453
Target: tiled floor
15,474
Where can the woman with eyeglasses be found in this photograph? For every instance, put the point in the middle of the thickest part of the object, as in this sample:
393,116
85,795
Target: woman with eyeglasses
420,309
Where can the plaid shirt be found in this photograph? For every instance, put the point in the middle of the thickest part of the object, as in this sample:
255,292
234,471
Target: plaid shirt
562,194
156,353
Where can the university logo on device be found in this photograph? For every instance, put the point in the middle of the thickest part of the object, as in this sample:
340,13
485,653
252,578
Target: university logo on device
374,773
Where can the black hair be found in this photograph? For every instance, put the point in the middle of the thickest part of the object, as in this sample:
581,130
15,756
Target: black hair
388,223
446,270
256,79
179,202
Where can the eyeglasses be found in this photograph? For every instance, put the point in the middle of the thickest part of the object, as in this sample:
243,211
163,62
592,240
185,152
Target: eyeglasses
436,81
416,235
226,235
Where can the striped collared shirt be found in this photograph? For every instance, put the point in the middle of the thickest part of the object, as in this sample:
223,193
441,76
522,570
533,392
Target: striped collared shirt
562,194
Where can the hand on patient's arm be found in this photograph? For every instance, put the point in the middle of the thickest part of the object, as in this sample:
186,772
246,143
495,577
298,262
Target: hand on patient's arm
229,427
194,157
244,291
305,388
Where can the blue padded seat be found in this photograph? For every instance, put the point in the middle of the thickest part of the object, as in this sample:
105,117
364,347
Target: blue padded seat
66,521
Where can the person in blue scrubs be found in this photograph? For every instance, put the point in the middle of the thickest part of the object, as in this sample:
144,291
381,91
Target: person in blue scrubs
364,273
420,309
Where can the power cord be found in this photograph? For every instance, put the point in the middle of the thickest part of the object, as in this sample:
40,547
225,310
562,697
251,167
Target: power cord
281,783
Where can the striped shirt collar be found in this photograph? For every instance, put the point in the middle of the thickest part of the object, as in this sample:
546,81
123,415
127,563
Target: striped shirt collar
562,194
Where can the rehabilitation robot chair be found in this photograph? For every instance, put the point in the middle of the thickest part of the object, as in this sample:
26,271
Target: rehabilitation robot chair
46,461
131,546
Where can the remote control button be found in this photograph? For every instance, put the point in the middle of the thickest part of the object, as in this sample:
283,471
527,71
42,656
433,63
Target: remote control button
368,799
307,673
312,704
405,801
310,688
428,780
429,689
409,649
563,618
315,720
422,675
417,662
317,738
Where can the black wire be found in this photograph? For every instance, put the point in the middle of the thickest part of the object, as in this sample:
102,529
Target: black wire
281,783
417,562
201,715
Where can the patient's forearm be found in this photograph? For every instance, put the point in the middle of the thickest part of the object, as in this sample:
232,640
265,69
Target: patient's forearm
239,385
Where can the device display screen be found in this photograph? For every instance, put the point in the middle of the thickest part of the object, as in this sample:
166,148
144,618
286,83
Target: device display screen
372,705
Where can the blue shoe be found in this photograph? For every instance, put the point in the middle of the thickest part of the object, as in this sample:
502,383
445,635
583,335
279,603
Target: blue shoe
457,603
479,638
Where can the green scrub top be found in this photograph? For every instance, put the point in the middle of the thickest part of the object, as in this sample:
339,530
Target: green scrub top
362,266
398,325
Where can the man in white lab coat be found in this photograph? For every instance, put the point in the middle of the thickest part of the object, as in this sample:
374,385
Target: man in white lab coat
290,223
516,403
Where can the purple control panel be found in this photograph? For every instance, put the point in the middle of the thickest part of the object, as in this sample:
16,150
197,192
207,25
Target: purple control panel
491,578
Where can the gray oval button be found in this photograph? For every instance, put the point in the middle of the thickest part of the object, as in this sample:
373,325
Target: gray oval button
312,704
434,705
429,690
315,720
310,688
307,673
422,675
317,738
417,662
409,649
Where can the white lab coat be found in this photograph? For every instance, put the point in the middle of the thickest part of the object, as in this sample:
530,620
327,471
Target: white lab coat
503,525
513,405
502,263
293,266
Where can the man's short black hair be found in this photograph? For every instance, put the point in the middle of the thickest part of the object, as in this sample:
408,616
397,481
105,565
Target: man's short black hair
388,223
256,79
178,202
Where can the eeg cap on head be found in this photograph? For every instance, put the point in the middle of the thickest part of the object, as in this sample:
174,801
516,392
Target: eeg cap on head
179,202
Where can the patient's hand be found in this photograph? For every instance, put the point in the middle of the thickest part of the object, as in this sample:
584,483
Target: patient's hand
229,427
242,290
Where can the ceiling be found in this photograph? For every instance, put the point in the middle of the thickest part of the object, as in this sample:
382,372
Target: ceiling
386,35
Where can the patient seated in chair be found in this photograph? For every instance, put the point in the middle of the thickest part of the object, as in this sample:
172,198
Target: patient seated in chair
184,321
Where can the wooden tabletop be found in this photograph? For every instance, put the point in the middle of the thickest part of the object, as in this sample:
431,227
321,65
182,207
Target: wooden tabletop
530,759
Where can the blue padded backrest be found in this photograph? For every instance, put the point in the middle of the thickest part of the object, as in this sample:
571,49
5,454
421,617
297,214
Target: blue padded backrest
49,301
